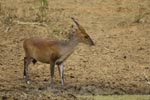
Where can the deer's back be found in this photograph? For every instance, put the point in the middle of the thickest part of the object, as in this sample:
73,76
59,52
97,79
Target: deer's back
40,49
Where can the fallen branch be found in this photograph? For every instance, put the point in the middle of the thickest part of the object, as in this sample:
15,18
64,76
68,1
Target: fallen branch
148,83
30,23
145,76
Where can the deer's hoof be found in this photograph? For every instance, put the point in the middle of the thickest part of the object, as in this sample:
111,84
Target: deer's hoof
28,82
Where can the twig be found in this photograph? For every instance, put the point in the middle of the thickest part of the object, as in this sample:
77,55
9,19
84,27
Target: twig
108,50
31,23
148,83
7,29
146,77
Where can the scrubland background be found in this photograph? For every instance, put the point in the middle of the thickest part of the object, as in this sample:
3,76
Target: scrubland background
119,63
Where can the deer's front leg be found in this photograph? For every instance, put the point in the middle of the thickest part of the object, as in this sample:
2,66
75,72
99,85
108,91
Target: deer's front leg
61,73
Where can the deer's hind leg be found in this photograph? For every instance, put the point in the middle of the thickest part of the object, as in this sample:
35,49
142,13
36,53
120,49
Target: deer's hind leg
27,61
52,65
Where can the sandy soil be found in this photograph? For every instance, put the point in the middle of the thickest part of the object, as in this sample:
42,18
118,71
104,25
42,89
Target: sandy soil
119,63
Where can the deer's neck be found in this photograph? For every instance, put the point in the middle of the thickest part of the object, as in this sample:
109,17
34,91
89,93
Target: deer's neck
67,48
73,42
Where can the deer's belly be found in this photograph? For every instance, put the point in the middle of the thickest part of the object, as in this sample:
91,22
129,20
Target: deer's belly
42,57
44,60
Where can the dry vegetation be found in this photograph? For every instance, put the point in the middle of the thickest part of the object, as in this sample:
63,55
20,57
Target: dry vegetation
118,64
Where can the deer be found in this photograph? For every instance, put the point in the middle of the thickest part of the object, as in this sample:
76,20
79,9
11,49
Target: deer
53,52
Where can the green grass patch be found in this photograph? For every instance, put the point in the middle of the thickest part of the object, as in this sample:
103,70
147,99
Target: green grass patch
119,97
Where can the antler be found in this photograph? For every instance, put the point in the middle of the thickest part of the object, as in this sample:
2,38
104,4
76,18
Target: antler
75,22
79,26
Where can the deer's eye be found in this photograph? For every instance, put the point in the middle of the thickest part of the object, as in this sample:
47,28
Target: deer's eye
86,36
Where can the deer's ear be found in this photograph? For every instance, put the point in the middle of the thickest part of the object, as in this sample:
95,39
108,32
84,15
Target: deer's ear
72,31
75,22
72,26
78,25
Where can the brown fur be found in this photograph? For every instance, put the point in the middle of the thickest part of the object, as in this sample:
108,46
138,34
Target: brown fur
53,52
41,50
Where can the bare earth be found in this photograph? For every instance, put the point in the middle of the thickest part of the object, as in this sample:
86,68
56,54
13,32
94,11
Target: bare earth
119,63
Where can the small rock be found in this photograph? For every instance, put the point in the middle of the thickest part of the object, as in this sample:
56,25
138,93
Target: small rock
42,88
142,20
72,76
124,57
4,98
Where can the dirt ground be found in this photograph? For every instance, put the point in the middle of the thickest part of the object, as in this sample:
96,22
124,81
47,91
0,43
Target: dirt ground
119,63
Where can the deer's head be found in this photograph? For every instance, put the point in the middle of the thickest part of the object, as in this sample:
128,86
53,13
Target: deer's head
82,35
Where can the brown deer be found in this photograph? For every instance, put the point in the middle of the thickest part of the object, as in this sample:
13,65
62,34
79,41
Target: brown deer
53,52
